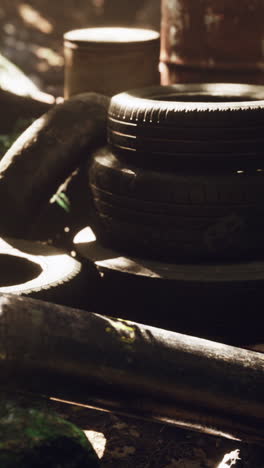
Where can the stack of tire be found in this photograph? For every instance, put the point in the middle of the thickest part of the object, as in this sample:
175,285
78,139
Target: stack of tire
183,175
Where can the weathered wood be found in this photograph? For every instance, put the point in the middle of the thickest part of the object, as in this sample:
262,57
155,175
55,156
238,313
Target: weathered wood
45,155
131,368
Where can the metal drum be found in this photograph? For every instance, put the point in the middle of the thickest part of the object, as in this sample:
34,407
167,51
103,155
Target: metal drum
110,60
208,41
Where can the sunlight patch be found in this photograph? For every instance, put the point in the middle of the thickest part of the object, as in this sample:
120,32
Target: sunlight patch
34,18
53,59
230,459
98,441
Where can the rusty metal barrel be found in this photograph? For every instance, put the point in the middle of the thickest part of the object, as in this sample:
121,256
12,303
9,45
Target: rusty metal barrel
109,60
210,41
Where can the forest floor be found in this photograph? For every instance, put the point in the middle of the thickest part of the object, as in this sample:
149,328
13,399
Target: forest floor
123,442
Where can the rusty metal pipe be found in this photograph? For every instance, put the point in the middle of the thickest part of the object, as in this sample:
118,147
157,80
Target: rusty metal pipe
131,368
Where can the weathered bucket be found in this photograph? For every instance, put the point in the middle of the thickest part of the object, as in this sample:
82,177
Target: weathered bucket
212,40
110,60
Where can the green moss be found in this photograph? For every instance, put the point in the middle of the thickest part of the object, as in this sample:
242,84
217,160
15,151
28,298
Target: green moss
123,329
31,437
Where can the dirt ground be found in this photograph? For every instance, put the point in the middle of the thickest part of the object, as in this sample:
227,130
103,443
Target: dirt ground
123,442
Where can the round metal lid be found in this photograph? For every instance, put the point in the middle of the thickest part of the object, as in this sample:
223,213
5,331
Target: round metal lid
112,36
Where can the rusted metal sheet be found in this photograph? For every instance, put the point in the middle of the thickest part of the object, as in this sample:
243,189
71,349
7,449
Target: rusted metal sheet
212,40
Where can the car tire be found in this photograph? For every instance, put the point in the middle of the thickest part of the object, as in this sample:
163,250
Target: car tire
201,123
175,215
43,272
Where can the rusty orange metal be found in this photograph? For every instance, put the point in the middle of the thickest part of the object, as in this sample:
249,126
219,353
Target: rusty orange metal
212,40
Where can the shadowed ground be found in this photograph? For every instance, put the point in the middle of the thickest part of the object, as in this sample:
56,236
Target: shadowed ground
125,443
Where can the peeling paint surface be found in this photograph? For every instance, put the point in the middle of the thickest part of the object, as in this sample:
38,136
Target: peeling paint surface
224,35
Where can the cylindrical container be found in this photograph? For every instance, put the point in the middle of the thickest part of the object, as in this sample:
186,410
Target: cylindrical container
110,60
212,41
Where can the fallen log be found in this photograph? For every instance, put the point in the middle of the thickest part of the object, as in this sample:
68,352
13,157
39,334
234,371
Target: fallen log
45,155
130,368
